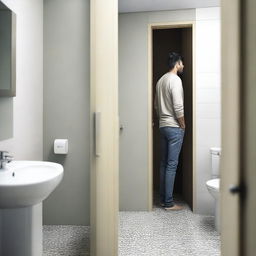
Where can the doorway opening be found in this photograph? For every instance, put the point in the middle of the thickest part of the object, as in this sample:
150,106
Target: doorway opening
165,40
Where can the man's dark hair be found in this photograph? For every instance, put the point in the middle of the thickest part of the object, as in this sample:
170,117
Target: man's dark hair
173,59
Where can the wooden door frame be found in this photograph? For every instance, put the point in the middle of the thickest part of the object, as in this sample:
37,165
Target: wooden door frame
151,27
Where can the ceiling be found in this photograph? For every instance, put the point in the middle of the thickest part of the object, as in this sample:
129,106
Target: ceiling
160,5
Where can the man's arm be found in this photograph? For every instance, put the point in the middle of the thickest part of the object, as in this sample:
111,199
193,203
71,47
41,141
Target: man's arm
178,105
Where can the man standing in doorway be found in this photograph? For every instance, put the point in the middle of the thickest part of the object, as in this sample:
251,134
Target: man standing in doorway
170,110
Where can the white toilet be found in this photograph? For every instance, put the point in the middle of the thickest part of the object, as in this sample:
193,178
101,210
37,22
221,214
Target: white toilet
213,185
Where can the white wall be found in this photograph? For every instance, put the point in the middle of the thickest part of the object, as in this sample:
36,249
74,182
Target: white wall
208,100
24,113
133,93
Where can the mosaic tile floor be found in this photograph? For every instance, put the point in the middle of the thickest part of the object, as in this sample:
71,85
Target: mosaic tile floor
179,233
66,240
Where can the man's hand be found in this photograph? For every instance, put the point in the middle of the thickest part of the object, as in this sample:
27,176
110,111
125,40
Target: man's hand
181,121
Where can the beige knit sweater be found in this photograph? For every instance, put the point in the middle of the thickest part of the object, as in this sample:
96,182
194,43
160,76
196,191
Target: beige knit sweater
169,100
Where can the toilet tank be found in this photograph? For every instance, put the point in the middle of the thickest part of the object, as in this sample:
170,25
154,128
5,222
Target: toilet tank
215,159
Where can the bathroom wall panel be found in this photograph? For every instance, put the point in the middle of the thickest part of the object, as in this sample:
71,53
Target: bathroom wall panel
208,111
208,80
66,107
208,46
208,96
208,132
212,13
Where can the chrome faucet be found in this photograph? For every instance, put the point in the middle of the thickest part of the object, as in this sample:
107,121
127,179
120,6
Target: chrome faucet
4,159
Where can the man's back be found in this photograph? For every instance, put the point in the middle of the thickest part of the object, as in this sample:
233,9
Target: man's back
169,100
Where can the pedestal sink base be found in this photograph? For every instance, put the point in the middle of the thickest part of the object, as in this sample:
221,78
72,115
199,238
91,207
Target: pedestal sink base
21,231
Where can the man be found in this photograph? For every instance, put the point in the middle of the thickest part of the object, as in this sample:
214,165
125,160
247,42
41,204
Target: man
170,110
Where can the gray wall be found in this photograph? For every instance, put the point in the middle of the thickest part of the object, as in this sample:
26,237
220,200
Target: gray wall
21,126
66,107
133,102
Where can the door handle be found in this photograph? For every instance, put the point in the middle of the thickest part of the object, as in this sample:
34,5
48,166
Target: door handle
97,134
234,189
237,189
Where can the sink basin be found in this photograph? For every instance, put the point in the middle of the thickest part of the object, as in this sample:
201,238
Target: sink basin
23,187
26,183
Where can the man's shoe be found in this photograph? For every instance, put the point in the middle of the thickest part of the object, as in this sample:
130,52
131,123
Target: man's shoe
174,208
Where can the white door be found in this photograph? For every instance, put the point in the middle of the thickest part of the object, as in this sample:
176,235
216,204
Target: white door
248,206
104,128
231,104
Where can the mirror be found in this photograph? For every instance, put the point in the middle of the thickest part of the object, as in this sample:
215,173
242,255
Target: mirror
7,52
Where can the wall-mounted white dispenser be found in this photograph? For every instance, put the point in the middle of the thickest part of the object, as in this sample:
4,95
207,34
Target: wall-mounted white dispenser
61,146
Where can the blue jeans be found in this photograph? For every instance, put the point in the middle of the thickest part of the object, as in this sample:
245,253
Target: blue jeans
171,142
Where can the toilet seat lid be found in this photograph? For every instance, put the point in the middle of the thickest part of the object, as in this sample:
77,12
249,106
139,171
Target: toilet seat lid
214,184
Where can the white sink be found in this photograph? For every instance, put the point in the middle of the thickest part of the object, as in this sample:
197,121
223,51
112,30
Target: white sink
26,183
23,187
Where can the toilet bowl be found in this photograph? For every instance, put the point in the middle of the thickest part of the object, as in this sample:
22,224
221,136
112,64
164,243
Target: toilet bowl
213,185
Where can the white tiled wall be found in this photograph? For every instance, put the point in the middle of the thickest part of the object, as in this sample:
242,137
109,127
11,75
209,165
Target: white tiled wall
208,100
